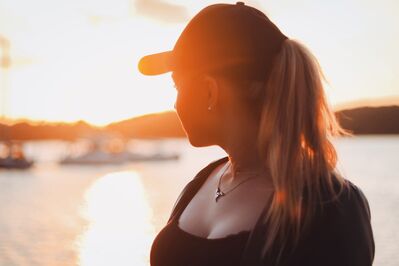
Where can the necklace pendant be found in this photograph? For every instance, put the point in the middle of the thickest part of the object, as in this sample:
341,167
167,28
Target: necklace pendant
218,194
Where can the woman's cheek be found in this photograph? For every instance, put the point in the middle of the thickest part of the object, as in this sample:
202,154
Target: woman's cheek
181,106
188,109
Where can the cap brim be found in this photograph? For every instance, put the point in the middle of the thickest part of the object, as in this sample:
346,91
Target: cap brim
156,64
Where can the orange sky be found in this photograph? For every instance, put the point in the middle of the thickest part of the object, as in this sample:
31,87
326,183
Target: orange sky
77,59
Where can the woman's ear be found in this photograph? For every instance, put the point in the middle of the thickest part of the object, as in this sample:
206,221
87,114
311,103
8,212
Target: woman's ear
212,90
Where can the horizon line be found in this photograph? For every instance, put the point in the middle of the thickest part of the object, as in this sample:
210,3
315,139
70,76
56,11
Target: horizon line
366,102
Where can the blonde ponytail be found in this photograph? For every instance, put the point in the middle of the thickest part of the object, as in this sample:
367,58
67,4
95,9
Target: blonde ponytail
296,125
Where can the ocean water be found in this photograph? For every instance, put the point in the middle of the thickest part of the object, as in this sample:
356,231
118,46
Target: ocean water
109,215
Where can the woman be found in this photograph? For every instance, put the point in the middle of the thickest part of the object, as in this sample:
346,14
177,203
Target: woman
277,198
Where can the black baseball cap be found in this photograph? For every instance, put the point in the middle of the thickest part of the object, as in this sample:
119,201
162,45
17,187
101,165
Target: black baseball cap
220,35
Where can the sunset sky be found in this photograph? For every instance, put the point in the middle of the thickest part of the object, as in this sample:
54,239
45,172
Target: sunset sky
77,59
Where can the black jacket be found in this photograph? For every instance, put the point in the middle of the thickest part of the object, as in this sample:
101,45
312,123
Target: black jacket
340,235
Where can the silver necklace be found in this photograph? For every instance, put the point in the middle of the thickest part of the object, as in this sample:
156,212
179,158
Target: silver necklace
219,193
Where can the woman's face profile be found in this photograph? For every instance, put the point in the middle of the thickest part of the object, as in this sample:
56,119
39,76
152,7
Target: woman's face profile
192,107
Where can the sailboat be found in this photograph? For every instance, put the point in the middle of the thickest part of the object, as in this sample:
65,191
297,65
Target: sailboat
14,158
12,155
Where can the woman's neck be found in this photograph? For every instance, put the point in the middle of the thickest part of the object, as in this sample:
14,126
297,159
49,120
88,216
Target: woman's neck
244,159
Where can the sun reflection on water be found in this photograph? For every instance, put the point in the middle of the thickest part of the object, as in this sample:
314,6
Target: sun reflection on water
119,230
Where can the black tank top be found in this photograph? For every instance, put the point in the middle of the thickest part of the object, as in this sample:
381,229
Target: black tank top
174,246
340,235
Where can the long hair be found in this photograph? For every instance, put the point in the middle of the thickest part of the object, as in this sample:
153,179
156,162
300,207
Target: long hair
296,126
295,130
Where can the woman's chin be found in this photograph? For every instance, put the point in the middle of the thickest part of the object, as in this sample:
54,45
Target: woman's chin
198,142
195,143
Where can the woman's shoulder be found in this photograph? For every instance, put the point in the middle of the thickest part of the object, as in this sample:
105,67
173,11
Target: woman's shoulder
341,232
347,206
348,199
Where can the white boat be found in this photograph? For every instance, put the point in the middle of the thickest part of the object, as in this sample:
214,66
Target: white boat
97,157
153,157
108,150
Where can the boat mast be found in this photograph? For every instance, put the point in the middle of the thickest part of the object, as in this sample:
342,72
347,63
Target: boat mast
5,63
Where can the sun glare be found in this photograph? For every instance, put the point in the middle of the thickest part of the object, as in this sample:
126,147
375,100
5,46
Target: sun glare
119,230
81,70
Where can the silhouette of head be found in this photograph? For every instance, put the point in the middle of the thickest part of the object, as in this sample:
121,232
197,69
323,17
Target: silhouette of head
233,41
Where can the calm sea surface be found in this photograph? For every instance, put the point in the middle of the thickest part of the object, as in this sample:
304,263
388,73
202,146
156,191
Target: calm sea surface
109,215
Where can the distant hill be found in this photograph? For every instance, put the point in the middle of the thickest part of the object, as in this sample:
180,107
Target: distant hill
64,131
363,120
159,125
370,120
